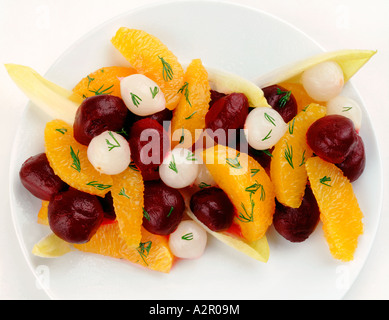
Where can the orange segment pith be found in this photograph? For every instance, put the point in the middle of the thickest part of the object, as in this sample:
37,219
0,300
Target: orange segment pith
247,185
69,160
152,252
127,193
102,81
149,56
339,209
194,103
287,166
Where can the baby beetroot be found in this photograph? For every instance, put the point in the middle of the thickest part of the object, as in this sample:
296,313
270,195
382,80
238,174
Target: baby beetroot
38,177
149,144
98,114
163,208
297,224
332,138
282,101
75,216
227,112
213,208
354,165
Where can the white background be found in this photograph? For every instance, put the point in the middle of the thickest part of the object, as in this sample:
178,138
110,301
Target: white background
36,32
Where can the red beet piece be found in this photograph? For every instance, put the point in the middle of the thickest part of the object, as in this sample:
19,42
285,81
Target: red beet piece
75,216
297,224
213,208
282,101
38,177
354,164
332,138
163,208
149,143
97,114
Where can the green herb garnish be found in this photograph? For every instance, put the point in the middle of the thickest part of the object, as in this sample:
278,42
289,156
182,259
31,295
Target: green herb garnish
123,193
144,250
167,71
285,98
324,181
188,236
99,186
135,99
62,130
154,91
76,160
185,90
111,145
289,154
173,165
101,91
234,162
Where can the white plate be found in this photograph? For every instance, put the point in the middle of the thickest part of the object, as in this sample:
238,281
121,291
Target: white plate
225,36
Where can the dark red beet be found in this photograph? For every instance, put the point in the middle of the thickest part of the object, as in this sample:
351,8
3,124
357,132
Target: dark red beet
227,113
39,178
332,138
148,155
215,95
354,165
296,225
160,117
107,205
163,208
75,216
97,114
282,101
213,208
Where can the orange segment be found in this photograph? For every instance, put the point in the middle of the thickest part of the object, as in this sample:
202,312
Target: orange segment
69,160
247,185
287,169
194,104
102,81
339,209
43,213
149,56
152,252
299,93
127,193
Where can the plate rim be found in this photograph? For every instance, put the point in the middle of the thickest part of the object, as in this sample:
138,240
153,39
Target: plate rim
28,106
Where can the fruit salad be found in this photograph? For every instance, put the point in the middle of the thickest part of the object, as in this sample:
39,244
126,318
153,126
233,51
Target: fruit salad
143,163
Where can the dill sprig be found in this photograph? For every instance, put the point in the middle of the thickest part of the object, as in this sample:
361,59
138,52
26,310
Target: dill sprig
285,98
289,154
324,181
234,162
76,165
135,99
123,193
99,186
173,165
101,91
154,91
111,145
185,90
167,71
144,250
188,236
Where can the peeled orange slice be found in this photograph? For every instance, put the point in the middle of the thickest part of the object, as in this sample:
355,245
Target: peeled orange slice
152,252
247,185
149,56
193,106
339,208
102,81
69,160
43,213
287,166
127,193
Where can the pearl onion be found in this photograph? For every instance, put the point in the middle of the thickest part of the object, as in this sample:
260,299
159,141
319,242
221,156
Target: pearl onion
323,81
142,95
264,127
188,241
109,153
179,169
204,178
347,107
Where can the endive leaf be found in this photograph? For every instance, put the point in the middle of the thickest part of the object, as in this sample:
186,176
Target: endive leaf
51,246
258,250
52,99
349,60
226,82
